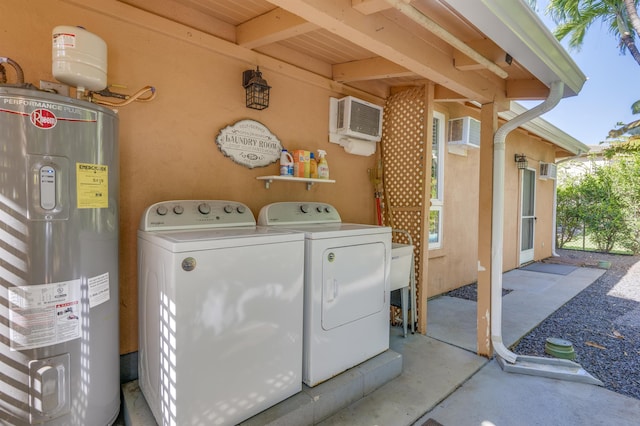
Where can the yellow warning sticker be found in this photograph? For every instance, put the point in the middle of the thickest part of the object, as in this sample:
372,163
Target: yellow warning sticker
92,186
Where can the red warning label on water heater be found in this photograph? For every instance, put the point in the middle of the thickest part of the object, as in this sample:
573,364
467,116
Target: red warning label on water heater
43,118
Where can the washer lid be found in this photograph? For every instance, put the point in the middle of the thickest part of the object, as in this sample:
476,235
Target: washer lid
208,239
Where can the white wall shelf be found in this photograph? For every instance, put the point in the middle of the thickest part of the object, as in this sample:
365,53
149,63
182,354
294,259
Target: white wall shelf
309,181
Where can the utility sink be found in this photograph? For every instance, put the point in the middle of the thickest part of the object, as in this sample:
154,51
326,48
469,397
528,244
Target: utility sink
401,264
401,279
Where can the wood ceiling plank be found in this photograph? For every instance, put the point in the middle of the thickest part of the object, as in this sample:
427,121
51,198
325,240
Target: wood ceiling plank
182,14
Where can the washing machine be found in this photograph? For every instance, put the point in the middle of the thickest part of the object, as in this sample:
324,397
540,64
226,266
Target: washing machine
346,286
220,312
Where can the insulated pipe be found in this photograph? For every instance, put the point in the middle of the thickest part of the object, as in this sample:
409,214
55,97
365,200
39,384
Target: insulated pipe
420,18
497,218
14,64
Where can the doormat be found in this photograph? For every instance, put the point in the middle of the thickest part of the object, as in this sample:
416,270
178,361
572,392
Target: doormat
431,422
549,268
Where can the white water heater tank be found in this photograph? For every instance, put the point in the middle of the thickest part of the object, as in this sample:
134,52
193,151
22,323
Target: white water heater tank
79,58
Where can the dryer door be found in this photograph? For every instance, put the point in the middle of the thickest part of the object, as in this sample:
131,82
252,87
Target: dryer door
353,283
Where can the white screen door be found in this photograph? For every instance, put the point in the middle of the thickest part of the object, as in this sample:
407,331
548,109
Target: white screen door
528,215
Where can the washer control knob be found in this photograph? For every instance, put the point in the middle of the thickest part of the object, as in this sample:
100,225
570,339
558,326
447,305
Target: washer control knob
304,208
178,209
327,209
228,208
319,209
241,209
204,208
162,210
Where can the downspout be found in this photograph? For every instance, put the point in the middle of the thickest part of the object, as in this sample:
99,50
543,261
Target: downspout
497,219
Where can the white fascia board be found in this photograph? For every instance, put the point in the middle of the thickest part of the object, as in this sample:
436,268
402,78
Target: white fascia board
546,131
518,30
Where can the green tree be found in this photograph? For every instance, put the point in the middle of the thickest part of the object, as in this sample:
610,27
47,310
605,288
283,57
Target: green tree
603,209
627,170
574,17
568,212
604,201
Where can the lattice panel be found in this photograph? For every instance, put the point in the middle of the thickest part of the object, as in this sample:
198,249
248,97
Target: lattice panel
404,163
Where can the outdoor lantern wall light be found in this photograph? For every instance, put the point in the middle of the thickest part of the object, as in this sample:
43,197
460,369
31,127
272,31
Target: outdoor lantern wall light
521,161
257,89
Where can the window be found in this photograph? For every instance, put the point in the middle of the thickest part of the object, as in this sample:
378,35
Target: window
437,181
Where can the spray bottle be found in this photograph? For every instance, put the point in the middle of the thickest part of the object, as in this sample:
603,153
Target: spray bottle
323,167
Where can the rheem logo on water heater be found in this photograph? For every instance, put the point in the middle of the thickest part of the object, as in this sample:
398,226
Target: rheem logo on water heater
43,119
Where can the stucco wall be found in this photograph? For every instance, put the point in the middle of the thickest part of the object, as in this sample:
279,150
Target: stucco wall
167,146
456,263
168,149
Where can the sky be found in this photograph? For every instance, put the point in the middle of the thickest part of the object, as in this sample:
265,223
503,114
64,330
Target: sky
605,99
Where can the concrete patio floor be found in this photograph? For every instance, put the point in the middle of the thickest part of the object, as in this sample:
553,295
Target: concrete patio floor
442,378
445,381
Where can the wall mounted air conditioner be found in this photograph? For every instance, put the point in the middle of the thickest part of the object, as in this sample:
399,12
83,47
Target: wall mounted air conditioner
464,132
354,118
548,171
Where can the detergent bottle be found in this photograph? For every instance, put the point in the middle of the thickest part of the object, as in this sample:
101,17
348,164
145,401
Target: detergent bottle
313,167
323,167
286,163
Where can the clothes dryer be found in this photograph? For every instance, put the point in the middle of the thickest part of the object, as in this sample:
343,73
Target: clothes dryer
220,312
346,286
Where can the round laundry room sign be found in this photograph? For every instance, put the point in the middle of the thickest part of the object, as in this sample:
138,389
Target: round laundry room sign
249,143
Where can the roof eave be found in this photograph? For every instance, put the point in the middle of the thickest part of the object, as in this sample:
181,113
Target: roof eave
546,130
517,29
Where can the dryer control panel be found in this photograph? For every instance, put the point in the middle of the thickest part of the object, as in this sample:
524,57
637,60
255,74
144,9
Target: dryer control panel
195,214
290,213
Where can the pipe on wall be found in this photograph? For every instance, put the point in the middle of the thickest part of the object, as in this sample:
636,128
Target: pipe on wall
497,218
421,19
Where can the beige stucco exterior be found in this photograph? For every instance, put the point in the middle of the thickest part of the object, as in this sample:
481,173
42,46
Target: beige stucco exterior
168,149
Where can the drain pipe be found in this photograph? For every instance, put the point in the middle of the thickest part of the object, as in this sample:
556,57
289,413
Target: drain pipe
497,219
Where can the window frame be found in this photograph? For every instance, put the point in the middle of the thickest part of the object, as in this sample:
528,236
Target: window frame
437,204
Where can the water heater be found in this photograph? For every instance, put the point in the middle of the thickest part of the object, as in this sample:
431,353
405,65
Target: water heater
59,345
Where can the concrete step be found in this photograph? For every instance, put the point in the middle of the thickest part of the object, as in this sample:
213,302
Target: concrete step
308,407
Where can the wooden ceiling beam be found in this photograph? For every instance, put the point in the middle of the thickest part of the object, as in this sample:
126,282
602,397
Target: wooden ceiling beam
443,94
486,48
369,7
396,43
369,69
271,27
526,89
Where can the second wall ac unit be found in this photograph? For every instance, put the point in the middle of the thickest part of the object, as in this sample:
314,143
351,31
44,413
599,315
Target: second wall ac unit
464,132
548,171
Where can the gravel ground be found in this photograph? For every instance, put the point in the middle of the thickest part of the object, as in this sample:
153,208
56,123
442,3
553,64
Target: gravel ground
602,322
